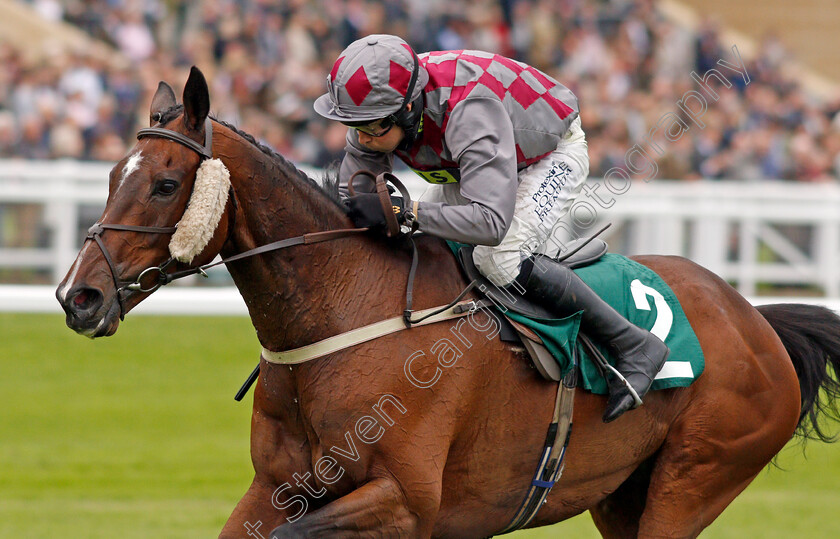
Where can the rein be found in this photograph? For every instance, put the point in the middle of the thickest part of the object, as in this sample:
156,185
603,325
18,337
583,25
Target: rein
306,239
393,229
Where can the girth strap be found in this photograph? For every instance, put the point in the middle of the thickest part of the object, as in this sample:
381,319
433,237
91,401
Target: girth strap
362,335
551,463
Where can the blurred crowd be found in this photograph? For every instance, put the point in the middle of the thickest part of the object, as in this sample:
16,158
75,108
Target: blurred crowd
267,60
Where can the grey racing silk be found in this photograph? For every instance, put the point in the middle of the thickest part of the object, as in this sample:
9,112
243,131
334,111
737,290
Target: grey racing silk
485,118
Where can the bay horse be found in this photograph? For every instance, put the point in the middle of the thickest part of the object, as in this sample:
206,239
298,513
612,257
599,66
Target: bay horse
347,446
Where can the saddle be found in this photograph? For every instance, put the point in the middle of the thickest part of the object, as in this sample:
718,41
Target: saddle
583,252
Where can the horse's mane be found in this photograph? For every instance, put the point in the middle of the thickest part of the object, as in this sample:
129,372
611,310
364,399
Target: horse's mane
329,185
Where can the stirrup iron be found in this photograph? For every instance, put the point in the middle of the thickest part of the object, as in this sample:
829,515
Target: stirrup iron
637,401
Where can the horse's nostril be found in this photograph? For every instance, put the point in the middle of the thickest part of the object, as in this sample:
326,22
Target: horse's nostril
80,299
86,300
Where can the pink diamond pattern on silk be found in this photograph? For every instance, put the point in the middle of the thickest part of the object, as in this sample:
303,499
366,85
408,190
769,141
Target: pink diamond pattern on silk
335,68
534,101
522,93
540,77
442,74
399,78
358,86
493,84
481,62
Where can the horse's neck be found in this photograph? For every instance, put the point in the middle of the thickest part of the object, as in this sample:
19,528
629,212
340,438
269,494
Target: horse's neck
272,197
307,292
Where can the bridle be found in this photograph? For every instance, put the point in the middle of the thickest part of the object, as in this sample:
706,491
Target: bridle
95,232
163,277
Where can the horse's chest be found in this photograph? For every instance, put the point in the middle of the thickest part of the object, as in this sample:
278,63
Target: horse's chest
338,454
329,431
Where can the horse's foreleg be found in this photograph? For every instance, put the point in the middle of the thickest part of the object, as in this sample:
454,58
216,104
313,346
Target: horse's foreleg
253,513
377,509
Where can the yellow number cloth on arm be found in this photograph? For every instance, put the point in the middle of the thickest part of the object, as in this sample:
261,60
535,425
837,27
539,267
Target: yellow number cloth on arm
436,176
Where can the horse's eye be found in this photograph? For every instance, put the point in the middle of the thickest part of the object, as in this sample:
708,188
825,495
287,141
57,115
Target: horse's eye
166,187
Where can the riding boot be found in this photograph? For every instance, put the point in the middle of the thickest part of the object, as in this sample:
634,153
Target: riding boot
639,353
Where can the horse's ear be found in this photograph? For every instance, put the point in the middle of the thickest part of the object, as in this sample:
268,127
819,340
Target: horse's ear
196,100
163,100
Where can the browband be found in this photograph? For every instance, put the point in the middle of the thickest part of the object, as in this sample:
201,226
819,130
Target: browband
205,151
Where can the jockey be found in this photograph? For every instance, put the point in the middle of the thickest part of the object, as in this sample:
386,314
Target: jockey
502,144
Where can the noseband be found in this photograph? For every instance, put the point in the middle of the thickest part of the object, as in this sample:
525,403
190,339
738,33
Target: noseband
95,232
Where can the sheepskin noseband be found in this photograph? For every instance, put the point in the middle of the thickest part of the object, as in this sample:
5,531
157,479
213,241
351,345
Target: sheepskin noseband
204,211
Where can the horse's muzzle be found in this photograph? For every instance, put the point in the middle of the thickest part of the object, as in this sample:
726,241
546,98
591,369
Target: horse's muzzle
87,311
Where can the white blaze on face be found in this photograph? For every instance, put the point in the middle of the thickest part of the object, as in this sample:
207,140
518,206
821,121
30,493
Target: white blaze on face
132,165
70,280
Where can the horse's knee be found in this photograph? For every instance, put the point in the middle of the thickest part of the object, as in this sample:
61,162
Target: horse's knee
377,509
404,524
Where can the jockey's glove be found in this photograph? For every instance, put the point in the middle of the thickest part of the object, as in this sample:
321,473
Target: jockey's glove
366,210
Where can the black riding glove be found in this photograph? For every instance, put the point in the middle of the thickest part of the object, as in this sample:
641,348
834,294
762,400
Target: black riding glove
366,210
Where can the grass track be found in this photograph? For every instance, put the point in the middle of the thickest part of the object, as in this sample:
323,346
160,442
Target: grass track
138,436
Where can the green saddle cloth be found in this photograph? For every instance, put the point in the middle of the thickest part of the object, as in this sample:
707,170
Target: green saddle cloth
641,296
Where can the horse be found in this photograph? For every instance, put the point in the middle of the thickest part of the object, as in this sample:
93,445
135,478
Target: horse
346,445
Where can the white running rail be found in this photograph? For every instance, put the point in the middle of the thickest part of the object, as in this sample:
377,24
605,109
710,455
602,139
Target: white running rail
749,233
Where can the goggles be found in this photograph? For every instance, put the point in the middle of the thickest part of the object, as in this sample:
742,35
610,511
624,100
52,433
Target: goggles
372,130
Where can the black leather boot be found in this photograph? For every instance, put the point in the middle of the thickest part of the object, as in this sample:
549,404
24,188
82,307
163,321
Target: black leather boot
639,354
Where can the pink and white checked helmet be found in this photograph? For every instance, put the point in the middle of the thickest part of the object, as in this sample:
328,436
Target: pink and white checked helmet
370,80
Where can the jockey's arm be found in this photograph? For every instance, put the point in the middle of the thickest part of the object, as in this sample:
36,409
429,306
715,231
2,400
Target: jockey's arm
480,136
356,158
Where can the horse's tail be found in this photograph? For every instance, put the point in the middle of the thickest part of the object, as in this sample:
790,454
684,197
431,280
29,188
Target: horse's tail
811,335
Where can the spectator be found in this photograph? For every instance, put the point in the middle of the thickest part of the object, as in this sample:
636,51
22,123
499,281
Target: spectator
133,36
8,133
267,61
